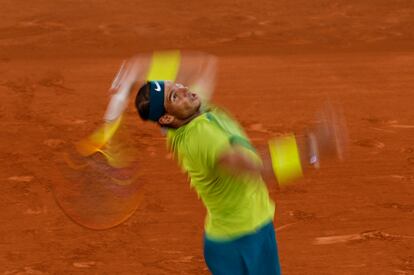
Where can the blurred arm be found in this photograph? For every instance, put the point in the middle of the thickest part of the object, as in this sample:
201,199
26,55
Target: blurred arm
131,71
198,72
235,162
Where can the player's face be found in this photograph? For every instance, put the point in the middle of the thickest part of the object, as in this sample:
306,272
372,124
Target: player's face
180,101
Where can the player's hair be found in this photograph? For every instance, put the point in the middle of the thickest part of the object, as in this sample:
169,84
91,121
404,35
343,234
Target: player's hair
142,101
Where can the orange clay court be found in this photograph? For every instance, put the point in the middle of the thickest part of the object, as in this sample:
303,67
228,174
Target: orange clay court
279,61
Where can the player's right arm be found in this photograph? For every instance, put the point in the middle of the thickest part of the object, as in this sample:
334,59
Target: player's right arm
235,161
209,148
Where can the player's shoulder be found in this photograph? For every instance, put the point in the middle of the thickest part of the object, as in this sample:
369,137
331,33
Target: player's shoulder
198,127
201,126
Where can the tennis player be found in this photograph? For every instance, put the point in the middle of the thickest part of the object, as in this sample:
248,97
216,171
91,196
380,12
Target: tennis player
225,171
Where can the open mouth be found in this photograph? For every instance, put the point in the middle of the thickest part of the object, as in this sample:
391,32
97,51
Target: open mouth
193,96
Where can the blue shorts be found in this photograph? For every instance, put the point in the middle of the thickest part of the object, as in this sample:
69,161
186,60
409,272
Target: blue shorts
253,254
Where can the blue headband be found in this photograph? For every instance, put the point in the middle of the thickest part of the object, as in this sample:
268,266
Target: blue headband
156,106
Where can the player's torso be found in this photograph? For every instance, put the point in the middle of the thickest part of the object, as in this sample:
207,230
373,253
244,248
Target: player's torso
236,204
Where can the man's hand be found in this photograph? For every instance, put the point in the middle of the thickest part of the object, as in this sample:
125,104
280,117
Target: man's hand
130,72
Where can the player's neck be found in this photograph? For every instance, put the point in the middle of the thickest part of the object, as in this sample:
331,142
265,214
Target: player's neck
183,122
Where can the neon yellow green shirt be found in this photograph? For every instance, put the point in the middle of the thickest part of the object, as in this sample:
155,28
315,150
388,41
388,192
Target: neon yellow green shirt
236,205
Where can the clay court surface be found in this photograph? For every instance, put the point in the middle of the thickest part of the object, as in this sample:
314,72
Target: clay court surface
279,61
